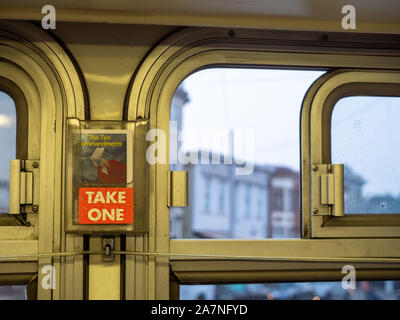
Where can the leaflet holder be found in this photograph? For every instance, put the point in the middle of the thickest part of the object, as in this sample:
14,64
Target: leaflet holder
106,187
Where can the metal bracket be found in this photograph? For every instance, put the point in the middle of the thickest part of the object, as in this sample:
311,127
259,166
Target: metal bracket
177,188
328,189
108,248
24,186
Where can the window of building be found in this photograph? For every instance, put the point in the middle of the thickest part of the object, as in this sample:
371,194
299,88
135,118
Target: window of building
247,201
293,200
242,126
278,199
260,207
365,136
221,200
8,144
207,195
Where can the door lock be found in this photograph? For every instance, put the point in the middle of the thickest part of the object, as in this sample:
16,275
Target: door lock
108,248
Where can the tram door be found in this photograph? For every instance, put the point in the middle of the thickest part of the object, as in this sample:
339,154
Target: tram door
40,87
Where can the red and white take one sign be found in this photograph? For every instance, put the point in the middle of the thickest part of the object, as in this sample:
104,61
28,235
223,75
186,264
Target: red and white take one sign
105,205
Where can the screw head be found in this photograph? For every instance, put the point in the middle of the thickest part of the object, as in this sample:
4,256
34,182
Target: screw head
315,168
35,208
315,211
35,164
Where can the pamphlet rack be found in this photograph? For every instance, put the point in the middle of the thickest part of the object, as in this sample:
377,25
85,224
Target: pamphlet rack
106,174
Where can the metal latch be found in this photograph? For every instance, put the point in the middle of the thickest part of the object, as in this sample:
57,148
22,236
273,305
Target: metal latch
24,186
108,247
328,189
177,188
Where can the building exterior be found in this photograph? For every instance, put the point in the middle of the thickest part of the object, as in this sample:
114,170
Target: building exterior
264,204
225,205
284,212
353,199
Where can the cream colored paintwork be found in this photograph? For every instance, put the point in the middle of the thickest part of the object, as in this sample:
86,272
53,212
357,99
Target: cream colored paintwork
104,277
104,280
108,55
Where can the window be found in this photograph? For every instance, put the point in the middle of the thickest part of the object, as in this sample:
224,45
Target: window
241,126
277,199
221,200
365,136
7,146
247,201
13,293
260,207
207,196
354,136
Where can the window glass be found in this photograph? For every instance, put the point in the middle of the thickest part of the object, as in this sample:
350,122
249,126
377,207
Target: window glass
364,290
7,146
365,133
237,131
13,293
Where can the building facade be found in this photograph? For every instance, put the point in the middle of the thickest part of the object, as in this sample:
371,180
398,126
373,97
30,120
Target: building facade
284,212
225,205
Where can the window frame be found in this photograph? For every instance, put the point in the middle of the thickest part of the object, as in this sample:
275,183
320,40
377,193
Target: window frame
21,273
150,96
27,144
341,84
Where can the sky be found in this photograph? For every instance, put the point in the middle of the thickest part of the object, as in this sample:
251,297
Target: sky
7,142
265,104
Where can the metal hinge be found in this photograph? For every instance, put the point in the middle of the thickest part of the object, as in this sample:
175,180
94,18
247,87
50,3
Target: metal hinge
177,189
328,191
24,186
